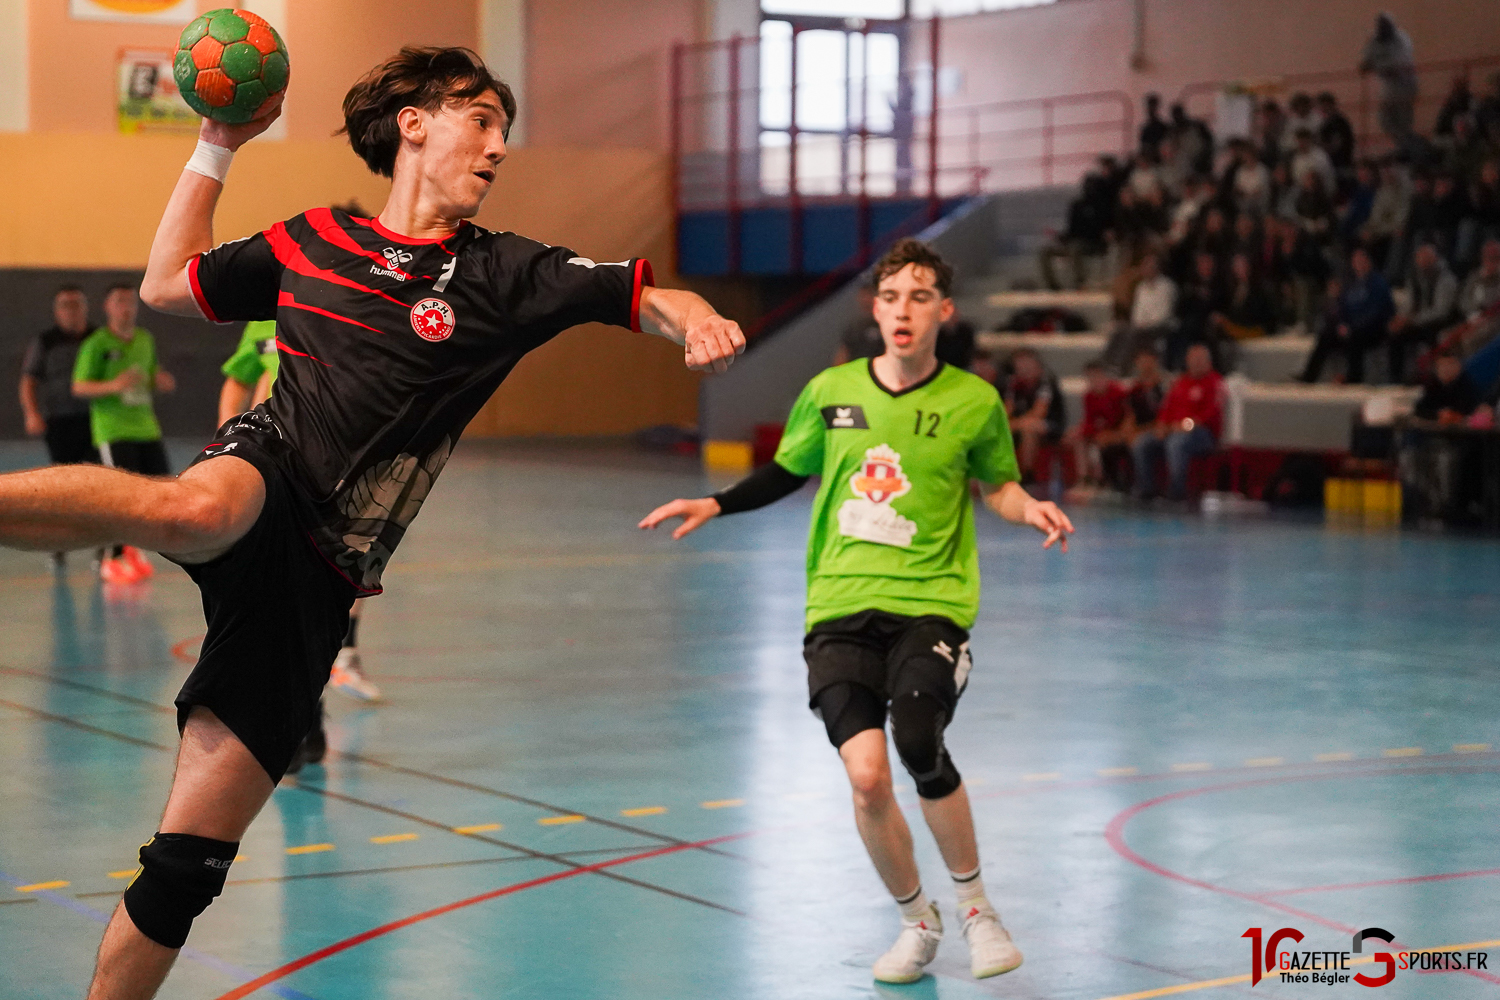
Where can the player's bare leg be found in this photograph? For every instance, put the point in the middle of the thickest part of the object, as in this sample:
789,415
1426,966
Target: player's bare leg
196,516
881,824
218,788
952,825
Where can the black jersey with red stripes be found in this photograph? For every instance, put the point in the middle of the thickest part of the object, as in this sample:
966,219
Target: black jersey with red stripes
389,346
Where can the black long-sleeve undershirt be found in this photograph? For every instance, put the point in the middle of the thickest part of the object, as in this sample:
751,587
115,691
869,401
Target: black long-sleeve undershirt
765,485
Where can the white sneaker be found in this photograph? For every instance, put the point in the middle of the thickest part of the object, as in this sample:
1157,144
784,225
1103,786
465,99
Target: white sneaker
991,951
348,678
914,948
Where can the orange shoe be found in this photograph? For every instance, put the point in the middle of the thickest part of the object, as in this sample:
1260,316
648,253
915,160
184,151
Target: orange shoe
139,564
116,569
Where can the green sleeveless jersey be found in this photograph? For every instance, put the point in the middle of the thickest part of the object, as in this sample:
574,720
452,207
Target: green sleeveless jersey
893,523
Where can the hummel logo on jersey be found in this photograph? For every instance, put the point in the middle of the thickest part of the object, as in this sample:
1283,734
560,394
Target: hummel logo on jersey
394,258
845,418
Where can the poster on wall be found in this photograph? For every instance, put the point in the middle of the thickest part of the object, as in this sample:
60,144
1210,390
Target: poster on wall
140,11
148,97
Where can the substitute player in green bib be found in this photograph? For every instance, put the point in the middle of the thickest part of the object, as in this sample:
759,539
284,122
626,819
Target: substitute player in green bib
893,583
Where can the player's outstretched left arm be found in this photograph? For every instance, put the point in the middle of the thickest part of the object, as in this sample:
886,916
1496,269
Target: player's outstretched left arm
187,225
1013,503
711,341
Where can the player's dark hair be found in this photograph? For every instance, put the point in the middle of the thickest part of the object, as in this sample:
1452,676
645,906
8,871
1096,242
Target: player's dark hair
67,289
417,77
914,251
121,286
353,209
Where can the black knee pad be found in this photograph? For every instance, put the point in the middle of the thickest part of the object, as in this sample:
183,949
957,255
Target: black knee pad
180,875
848,709
917,724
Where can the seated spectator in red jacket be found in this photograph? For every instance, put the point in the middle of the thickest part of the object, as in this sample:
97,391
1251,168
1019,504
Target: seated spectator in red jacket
1449,396
1101,440
1034,403
1188,425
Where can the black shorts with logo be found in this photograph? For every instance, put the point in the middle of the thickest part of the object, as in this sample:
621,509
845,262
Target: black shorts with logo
277,613
886,654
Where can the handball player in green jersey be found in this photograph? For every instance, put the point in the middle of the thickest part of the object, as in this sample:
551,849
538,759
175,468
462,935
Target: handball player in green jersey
893,583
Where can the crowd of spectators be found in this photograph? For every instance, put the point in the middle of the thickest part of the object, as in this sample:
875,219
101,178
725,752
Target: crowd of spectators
1218,241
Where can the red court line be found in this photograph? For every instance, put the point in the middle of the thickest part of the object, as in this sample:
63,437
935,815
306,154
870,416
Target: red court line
180,649
396,925
1114,834
1385,881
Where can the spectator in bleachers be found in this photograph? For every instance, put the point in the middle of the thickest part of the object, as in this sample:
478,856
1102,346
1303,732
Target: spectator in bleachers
1147,388
1307,157
1247,310
1355,211
1199,298
1195,142
1146,177
1432,295
1388,55
1188,425
1139,223
1283,192
1450,205
1421,227
1090,217
1245,237
1388,213
1482,220
1481,290
1034,403
1464,151
1357,321
1101,440
1153,129
1152,315
1314,208
1299,272
1449,396
1248,180
1271,126
1335,134
1487,110
1211,235
1460,101
1196,196
1301,114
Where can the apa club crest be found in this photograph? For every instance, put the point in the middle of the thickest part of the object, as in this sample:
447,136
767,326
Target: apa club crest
880,479
433,320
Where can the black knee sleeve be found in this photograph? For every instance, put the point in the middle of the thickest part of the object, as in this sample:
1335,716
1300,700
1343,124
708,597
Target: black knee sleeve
917,724
180,875
848,709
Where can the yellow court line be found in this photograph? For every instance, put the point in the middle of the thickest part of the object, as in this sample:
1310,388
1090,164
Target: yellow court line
124,873
560,820
1470,747
1265,761
1042,776
1404,752
1209,984
1341,755
722,803
480,828
309,849
242,857
1197,765
1118,772
644,811
394,838
40,886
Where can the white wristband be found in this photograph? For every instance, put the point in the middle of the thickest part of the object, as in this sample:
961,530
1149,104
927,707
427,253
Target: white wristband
211,161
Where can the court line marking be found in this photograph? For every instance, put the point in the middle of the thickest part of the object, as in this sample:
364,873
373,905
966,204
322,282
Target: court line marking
1208,984
722,804
344,754
1408,880
214,962
437,911
395,838
310,849
1470,747
479,828
644,811
124,873
560,820
1114,835
60,883
1402,752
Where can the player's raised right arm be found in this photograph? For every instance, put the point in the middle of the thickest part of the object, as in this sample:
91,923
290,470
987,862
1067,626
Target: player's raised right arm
187,225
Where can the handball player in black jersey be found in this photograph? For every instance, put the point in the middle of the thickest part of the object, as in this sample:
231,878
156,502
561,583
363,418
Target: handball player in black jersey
393,332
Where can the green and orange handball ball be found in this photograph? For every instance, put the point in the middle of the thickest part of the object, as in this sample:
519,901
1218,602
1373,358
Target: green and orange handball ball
229,63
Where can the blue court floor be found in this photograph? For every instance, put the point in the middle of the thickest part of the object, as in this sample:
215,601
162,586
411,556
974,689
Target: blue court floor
596,776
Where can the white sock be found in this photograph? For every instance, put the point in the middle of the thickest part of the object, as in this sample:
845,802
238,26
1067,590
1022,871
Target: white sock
915,906
968,886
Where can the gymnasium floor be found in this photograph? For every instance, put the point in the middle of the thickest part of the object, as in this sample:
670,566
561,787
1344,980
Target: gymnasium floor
596,776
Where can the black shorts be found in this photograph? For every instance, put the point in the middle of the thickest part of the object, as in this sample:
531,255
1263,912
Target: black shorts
888,655
149,458
277,613
70,440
